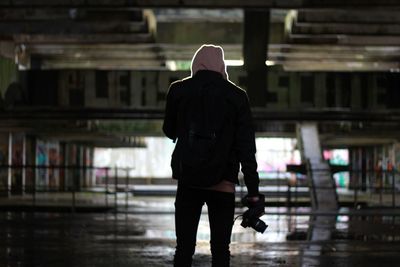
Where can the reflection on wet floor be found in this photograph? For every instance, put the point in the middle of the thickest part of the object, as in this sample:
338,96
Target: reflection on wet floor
145,237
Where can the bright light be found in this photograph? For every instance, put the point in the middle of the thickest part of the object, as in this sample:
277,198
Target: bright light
175,65
234,62
240,62
171,65
269,63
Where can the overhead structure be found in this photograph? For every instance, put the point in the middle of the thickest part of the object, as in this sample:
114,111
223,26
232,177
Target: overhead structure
340,40
202,3
303,35
299,36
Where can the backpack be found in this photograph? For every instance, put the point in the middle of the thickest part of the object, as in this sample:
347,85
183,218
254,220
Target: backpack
200,156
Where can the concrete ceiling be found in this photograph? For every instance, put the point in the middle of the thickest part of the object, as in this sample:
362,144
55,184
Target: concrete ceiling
201,3
304,35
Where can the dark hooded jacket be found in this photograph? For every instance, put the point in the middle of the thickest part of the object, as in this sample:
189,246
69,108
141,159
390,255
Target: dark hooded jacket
238,131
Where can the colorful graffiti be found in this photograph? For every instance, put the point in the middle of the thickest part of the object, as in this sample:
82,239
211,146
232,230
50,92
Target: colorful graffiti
339,157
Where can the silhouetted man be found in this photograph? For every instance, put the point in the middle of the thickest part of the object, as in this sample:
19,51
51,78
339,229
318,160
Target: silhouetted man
210,119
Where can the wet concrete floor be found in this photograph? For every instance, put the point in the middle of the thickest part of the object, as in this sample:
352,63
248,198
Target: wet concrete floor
145,237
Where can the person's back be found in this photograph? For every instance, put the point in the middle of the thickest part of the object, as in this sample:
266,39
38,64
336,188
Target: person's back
225,140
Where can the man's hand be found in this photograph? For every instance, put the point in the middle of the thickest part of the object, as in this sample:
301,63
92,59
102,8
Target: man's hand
254,201
256,204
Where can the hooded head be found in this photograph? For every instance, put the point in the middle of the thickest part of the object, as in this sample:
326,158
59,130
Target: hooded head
209,57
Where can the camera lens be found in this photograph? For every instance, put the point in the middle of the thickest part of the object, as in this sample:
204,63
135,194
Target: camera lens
259,226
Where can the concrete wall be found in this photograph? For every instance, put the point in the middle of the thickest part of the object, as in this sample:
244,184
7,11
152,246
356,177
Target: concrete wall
286,90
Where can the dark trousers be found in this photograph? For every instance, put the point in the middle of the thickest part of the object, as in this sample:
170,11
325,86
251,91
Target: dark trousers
188,205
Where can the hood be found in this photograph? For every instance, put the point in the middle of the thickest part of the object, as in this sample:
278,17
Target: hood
209,57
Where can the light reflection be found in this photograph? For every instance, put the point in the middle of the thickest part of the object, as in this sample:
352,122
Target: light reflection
136,234
343,218
278,227
342,222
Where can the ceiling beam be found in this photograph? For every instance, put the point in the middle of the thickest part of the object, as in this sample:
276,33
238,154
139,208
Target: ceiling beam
98,63
57,114
77,14
120,56
127,49
202,3
259,114
346,28
321,65
333,48
358,141
334,39
366,16
347,58
114,56
69,27
289,63
177,51
335,56
110,38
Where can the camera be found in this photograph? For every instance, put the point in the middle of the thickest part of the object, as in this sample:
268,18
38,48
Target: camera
252,215
253,222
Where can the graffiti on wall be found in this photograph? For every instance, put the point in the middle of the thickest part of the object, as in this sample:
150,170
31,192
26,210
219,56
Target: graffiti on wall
339,157
41,160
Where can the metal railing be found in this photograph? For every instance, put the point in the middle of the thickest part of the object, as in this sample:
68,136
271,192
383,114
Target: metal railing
112,188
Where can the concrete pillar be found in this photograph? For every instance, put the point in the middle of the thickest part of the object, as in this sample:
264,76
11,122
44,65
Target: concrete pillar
67,162
61,162
255,47
23,164
90,88
356,99
31,175
85,165
135,83
80,183
123,89
16,174
9,176
91,171
320,90
355,157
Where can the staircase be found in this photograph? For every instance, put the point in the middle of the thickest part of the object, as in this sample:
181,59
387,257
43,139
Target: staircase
322,186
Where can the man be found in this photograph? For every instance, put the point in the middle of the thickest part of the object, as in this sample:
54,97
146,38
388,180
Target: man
205,100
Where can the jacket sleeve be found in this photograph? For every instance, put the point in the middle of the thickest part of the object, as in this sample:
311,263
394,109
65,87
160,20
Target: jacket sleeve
170,115
246,148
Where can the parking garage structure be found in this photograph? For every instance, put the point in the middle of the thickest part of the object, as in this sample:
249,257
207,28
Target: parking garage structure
84,175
